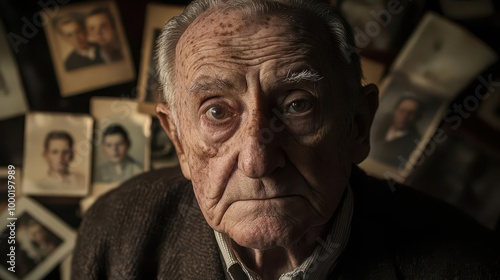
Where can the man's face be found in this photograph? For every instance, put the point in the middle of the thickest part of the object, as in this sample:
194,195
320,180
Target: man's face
115,147
100,30
75,35
269,159
58,155
406,114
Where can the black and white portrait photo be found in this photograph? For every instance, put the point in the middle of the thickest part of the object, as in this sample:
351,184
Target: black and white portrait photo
406,117
58,152
89,48
121,148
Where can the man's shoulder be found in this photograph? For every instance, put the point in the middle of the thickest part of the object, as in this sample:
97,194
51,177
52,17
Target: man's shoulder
150,225
409,232
148,189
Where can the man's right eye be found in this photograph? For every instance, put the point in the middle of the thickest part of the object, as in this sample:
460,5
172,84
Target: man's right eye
217,113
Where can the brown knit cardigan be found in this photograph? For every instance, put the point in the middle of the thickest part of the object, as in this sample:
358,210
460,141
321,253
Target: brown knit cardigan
152,228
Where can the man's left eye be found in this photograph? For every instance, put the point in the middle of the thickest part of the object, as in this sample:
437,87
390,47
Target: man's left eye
298,106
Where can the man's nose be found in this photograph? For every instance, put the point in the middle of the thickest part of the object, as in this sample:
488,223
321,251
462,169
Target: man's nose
259,156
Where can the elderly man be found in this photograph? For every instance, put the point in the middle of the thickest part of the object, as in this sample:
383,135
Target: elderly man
265,107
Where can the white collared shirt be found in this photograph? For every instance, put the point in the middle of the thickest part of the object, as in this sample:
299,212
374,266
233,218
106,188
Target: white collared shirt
323,259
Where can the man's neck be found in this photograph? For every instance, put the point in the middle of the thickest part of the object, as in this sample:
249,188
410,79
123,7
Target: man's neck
271,264
58,175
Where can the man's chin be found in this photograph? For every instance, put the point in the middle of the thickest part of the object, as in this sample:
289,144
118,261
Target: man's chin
266,233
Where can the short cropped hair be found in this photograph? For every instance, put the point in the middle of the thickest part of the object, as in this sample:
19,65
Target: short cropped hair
71,17
116,129
58,135
341,36
104,11
415,99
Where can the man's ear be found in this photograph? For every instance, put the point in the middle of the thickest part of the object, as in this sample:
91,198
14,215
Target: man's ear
363,119
167,122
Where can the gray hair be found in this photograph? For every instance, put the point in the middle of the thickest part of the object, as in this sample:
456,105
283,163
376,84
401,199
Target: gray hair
340,34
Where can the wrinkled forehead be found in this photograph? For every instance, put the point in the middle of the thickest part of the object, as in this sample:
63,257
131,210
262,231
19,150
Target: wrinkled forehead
232,21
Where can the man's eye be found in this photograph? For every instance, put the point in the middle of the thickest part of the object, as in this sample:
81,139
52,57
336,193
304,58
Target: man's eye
298,106
217,113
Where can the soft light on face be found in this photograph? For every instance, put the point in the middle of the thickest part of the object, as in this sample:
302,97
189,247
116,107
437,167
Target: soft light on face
267,151
75,35
115,147
406,114
58,155
100,30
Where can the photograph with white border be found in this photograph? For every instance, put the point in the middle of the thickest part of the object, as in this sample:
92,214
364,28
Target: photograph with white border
121,140
42,241
89,48
57,154
405,122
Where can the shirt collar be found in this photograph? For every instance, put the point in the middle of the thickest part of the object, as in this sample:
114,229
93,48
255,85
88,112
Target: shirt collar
88,52
318,265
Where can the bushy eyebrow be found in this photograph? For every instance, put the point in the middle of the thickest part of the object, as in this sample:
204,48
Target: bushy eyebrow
210,85
309,75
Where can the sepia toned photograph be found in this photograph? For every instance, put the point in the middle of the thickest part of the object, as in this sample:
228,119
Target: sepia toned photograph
12,99
42,241
406,119
435,54
149,89
58,153
122,143
89,48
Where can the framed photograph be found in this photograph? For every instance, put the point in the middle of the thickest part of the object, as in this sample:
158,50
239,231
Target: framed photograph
149,89
42,241
405,122
88,46
15,188
122,142
57,154
12,98
435,55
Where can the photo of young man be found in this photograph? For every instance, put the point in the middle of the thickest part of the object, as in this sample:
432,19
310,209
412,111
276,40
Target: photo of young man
120,166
